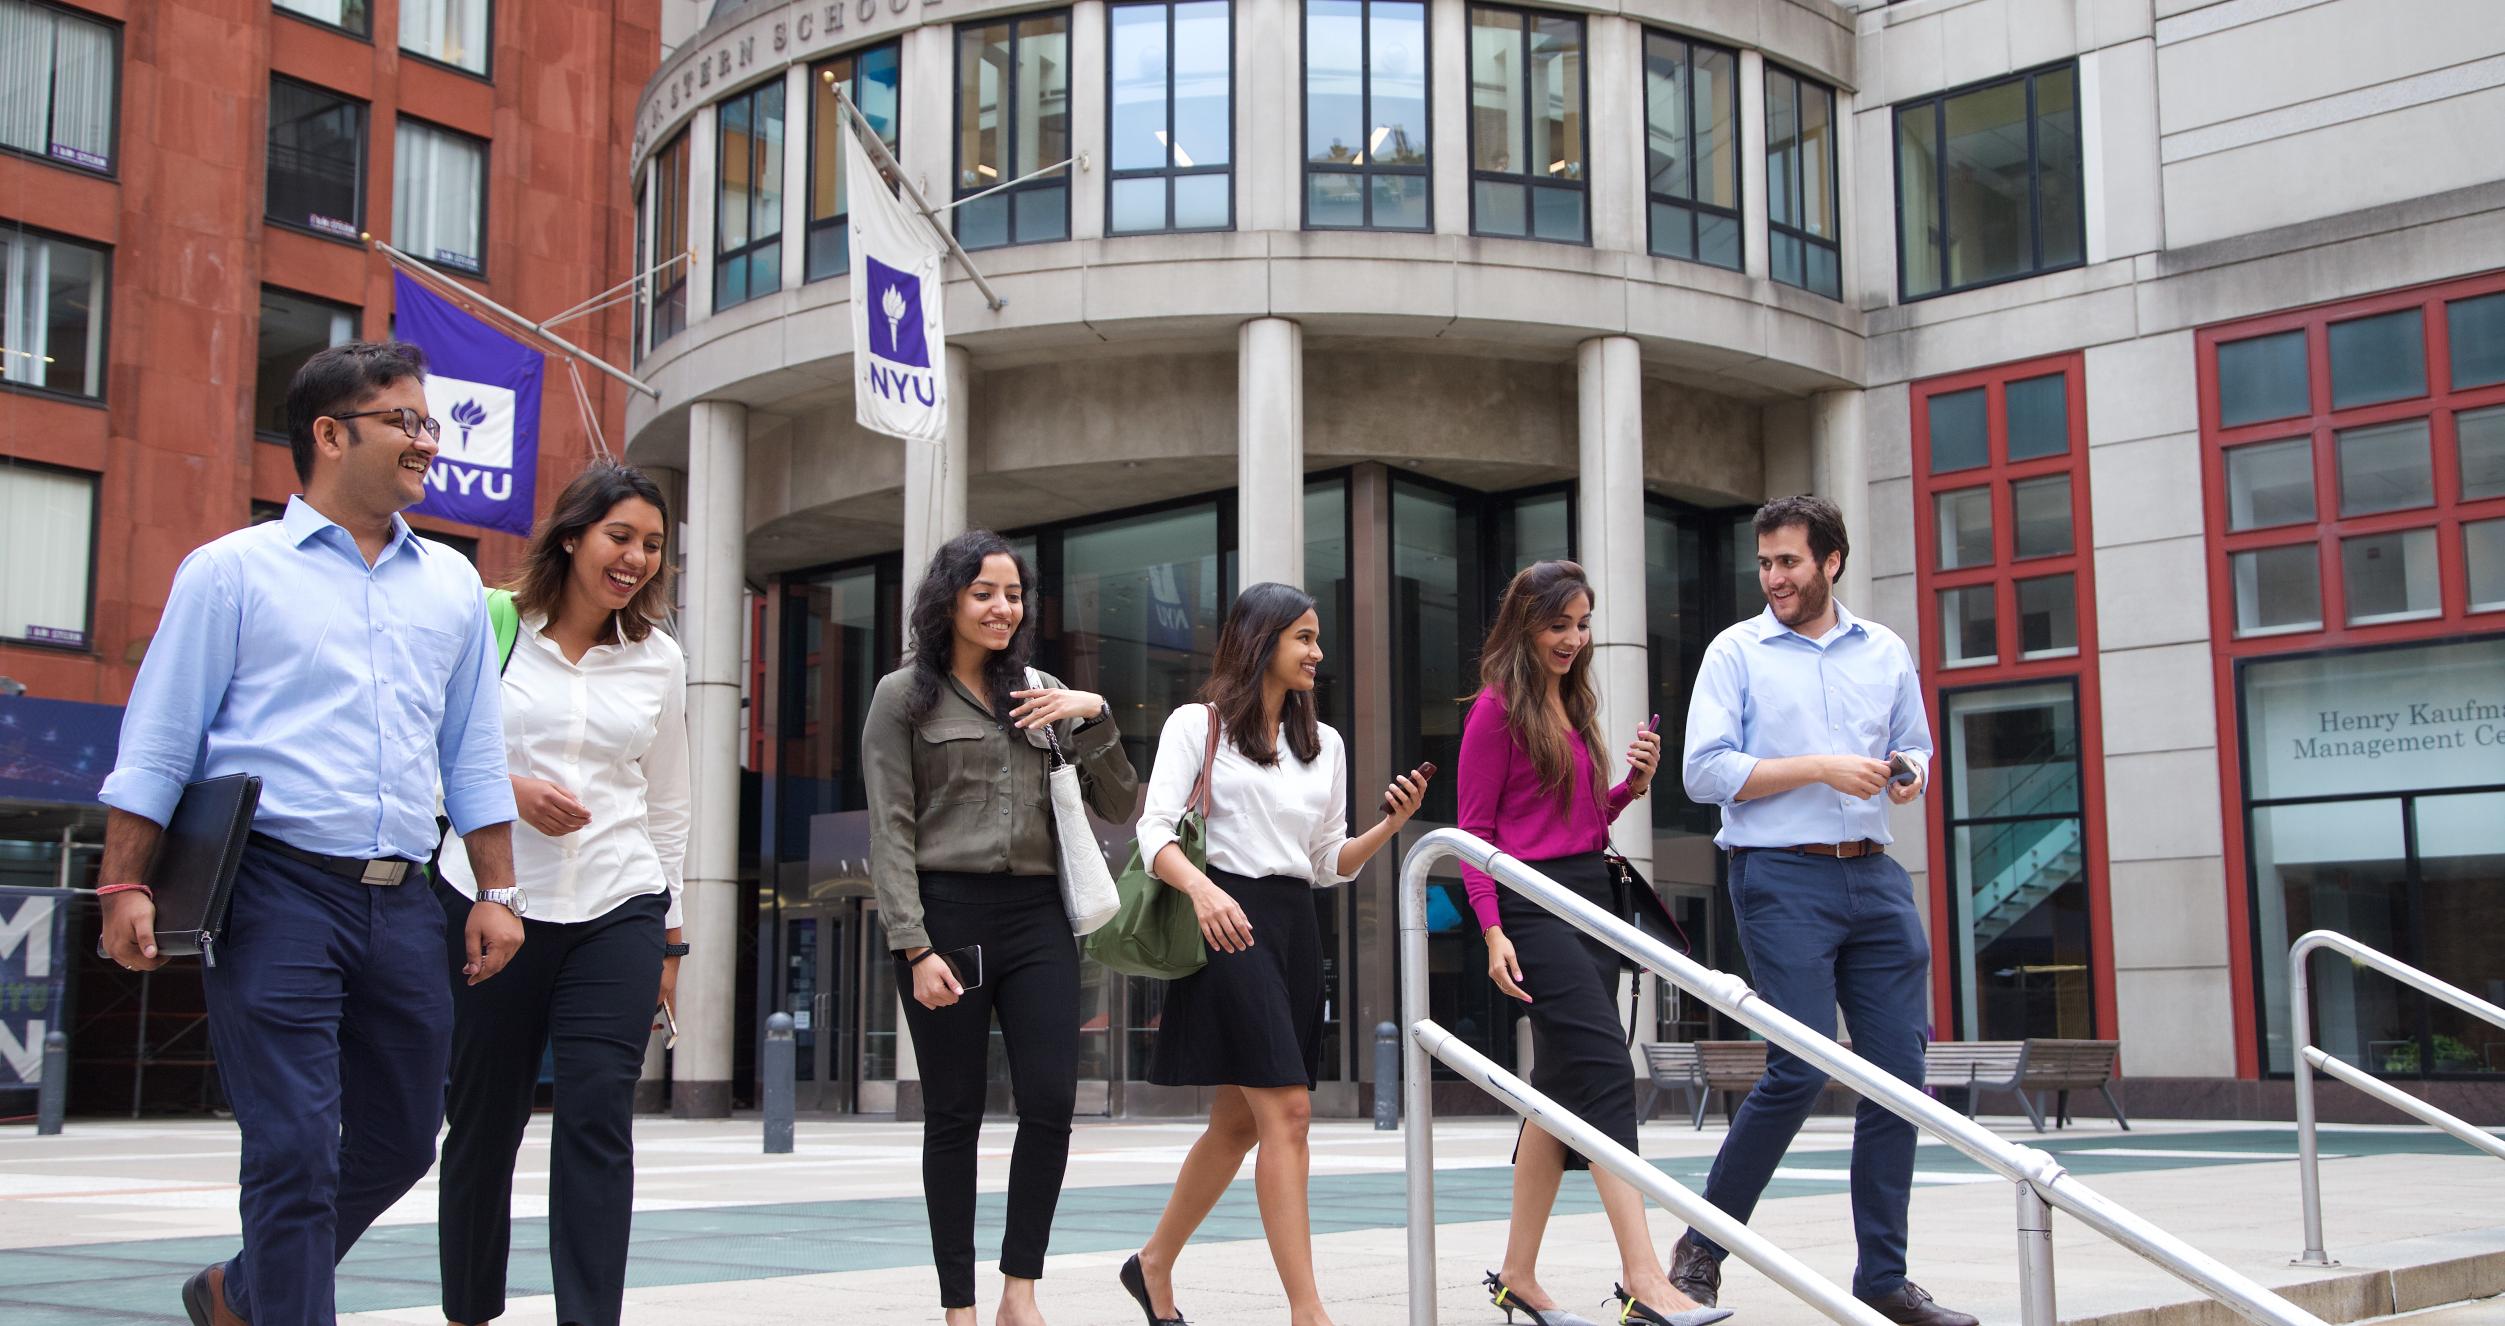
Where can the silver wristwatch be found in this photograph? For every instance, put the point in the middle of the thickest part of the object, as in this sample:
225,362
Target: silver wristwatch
510,899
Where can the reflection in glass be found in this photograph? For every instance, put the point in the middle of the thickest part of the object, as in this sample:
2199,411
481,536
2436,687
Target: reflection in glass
2341,866
2461,868
1691,149
1537,528
2059,173
2277,589
2382,358
1154,148
2483,552
1435,623
839,638
1960,440
748,202
2476,328
1365,114
2385,467
2479,437
2270,483
2048,617
2020,890
2038,413
1968,627
293,327
1326,578
2263,377
1679,619
1013,119
316,159
1800,177
1988,220
1965,516
2040,515
870,77
2389,577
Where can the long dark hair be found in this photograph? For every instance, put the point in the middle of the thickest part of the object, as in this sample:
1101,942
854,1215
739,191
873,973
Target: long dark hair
538,583
1247,641
1510,667
931,627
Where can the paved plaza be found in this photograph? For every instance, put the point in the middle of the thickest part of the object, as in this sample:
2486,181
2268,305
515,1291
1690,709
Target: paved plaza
103,1223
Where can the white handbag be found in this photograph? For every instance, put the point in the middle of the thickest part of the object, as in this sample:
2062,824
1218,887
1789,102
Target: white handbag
1088,896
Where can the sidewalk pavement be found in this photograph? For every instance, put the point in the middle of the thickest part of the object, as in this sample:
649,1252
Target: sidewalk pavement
103,1224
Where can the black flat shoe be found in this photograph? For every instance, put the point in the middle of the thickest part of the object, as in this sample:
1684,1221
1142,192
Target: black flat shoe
1137,1283
1501,1296
1632,1309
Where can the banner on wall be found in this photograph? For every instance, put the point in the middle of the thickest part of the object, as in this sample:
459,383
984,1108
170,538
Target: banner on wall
483,387
34,970
899,375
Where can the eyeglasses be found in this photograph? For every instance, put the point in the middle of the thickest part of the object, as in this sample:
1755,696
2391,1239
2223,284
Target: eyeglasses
410,421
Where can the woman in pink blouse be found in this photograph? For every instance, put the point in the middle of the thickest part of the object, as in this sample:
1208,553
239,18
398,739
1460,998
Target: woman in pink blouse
1533,782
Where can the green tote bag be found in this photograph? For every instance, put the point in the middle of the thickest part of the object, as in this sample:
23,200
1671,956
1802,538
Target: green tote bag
1156,933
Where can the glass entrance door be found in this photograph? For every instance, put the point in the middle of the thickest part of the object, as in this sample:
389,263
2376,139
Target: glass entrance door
815,960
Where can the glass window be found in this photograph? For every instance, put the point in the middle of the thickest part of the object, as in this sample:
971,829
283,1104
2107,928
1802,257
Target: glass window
1141,598
2040,515
1960,439
2037,411
1365,115
2343,866
2382,358
2262,378
453,32
351,15
2277,590
1013,119
2479,436
59,77
1989,183
2385,467
439,196
1526,125
2018,864
2483,552
317,159
839,638
872,78
52,313
1685,605
1969,627
2390,577
1965,516
1172,126
669,240
643,249
293,328
2048,617
748,197
2271,483
1691,150
1801,224
47,540
2476,328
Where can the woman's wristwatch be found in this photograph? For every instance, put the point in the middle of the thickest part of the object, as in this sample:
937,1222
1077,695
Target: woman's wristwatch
674,950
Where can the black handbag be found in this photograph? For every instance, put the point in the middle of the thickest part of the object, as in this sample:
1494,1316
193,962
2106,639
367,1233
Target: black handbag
1636,902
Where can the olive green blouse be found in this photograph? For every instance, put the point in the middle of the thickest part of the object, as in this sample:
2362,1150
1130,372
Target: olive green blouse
959,790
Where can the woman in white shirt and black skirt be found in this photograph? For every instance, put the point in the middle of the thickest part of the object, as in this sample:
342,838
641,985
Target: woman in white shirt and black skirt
1250,1022
596,743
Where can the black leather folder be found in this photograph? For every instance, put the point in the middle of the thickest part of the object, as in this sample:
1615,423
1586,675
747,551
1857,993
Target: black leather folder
194,874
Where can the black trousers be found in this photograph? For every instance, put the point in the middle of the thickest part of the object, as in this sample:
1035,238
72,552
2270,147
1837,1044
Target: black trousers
589,988
1031,980
1578,1046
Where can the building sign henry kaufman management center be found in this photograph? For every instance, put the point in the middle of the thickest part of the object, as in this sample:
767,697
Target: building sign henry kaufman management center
2394,720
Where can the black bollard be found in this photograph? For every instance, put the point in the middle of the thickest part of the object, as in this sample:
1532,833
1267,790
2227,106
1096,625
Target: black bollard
1386,1077
52,1095
777,1070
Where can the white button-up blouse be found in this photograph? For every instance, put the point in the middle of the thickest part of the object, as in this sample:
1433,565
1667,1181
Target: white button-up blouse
1288,818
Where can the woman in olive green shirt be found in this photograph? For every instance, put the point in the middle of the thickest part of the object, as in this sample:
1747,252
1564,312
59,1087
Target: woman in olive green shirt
955,758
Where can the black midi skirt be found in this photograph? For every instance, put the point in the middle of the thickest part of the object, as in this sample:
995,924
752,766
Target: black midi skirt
1578,1045
1250,1019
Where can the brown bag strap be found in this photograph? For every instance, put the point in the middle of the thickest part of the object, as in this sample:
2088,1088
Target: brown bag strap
1200,799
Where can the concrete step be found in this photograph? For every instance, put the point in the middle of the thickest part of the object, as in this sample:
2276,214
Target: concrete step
2452,1279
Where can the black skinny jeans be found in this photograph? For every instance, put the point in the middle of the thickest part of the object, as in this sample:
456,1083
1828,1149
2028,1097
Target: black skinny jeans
1031,979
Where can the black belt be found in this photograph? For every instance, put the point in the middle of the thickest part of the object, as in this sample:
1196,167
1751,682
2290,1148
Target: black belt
1841,851
379,871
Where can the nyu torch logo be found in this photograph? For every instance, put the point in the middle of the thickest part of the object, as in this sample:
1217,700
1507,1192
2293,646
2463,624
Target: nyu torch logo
468,414
900,368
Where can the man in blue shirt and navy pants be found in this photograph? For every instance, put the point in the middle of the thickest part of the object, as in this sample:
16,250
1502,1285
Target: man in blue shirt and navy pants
1796,715
350,664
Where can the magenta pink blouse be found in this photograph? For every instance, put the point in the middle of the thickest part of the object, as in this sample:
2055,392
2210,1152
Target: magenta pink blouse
1501,801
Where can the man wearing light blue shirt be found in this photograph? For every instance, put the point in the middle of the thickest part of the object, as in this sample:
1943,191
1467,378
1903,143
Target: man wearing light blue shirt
1797,715
349,664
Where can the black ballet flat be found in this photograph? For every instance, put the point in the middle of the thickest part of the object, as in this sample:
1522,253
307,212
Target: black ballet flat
1137,1284
1632,1309
1501,1296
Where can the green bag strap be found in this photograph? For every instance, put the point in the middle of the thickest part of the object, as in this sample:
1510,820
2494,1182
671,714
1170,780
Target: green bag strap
507,619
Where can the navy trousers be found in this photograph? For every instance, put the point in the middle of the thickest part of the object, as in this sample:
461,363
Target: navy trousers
1819,933
331,1021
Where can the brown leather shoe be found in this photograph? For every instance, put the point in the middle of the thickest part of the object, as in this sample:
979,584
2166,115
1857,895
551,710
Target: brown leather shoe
1912,1305
1695,1272
204,1298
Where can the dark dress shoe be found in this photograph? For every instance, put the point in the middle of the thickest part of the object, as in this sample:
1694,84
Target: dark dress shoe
1695,1272
1912,1305
204,1298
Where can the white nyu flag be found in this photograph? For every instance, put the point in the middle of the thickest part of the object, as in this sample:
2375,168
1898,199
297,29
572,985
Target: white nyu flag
899,376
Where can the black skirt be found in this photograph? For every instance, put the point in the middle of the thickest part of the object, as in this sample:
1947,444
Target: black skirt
1578,1045
1254,1018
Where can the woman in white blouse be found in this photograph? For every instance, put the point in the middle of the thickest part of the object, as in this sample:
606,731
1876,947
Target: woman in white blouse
596,743
1250,1023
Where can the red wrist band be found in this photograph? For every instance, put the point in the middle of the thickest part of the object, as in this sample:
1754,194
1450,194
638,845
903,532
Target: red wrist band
125,888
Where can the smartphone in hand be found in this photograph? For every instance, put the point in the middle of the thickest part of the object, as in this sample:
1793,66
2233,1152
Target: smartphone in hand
1900,769
1425,773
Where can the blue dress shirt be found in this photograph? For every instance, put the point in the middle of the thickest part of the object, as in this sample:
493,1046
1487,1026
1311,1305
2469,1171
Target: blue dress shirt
353,691
1766,691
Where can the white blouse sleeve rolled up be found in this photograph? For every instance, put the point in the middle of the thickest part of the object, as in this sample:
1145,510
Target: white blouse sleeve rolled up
1170,778
1285,819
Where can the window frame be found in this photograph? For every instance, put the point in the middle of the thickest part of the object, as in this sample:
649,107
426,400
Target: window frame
1937,105
1529,182
676,282
486,71
113,132
1171,172
95,523
1065,180
356,318
486,189
352,34
812,227
364,166
1736,214
103,313
775,87
1802,86
1306,166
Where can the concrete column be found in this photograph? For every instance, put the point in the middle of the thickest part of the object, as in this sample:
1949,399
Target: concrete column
1615,161
1754,258
1270,452
797,96
1269,154
717,536
1091,40
704,152
1448,114
1610,543
1839,470
935,477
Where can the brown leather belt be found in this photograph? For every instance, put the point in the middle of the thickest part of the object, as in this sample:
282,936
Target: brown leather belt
1840,851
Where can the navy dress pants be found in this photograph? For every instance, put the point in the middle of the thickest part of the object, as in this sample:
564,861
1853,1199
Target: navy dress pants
1822,932
331,1021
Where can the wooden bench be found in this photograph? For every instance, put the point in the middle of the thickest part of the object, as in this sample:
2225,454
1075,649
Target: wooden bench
1728,1067
1673,1067
2025,1069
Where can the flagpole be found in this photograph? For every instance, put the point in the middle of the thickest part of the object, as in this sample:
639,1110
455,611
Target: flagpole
631,286
417,267
888,164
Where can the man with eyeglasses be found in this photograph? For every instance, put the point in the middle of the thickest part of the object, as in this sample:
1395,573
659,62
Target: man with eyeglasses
349,663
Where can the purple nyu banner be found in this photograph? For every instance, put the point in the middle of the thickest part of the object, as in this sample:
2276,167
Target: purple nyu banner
483,387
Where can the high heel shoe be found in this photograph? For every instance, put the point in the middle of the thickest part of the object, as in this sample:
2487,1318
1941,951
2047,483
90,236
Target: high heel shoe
1501,1296
1137,1283
1632,1309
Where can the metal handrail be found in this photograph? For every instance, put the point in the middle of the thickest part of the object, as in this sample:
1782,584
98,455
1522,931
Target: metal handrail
2042,1184
2309,1058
